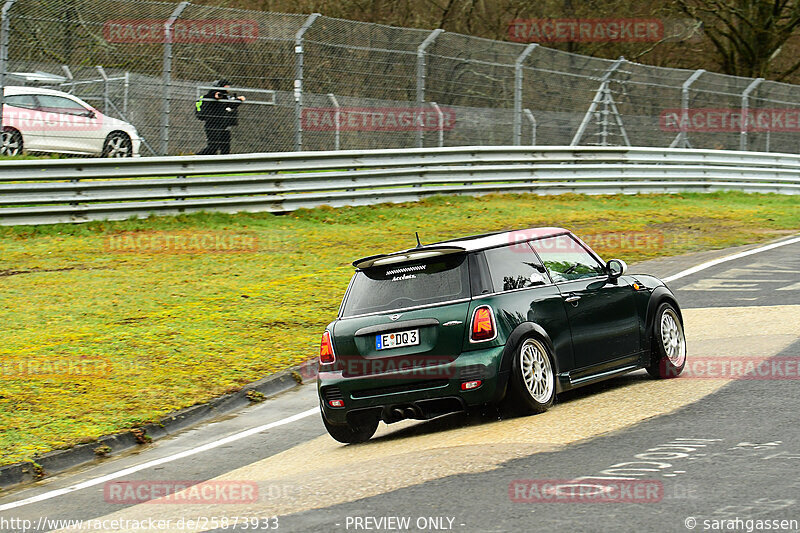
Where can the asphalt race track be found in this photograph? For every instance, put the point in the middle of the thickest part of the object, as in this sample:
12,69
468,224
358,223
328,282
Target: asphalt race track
704,452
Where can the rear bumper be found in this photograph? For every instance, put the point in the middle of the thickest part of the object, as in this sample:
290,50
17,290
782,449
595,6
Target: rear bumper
424,394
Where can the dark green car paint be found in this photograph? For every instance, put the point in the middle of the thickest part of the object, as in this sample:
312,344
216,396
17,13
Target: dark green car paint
537,310
605,332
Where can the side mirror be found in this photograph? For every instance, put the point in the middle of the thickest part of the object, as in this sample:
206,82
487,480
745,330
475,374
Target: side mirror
90,114
616,268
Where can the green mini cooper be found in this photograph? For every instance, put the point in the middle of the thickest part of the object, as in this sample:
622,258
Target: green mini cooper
513,317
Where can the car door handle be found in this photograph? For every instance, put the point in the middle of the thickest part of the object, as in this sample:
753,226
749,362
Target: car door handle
572,298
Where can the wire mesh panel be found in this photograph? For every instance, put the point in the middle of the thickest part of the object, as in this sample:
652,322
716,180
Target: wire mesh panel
715,102
773,118
359,123
470,71
371,70
476,126
86,32
254,52
311,82
58,45
646,97
350,58
559,87
476,77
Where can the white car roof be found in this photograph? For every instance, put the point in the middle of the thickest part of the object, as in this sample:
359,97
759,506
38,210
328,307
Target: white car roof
463,244
15,89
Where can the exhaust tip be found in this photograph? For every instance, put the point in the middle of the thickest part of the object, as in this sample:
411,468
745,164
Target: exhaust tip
397,414
410,412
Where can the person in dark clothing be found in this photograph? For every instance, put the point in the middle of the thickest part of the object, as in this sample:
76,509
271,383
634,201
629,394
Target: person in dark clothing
220,112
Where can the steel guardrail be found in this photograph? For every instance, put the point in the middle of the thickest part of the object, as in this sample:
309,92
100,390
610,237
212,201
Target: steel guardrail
80,190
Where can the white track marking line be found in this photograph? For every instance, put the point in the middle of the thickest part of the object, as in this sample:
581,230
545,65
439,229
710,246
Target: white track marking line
156,462
715,262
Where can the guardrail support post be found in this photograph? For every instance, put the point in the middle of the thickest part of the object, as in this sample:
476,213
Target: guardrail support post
682,139
337,131
518,92
745,111
421,50
298,80
167,74
599,97
5,29
532,120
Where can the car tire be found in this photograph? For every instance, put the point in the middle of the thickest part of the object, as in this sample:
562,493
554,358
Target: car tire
117,144
346,434
11,142
532,384
668,345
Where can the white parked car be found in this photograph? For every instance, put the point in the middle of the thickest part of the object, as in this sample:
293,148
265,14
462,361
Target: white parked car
44,120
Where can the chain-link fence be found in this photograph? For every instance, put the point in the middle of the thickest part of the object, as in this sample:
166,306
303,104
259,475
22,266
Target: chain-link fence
316,83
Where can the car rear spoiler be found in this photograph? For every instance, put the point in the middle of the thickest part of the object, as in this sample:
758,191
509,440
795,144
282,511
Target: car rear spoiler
412,254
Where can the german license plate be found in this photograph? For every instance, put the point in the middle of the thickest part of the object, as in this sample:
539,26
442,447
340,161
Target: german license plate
397,339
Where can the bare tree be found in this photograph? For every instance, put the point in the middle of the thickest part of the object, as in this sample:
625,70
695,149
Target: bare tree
749,35
750,38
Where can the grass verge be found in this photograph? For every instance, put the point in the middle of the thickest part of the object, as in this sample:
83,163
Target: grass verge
108,326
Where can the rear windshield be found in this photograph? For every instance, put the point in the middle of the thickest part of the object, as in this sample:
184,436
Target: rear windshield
405,285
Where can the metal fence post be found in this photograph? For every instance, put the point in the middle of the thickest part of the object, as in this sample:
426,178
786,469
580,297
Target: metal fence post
441,123
70,77
682,139
532,120
337,131
421,50
167,74
518,92
298,80
106,98
745,111
125,93
599,97
5,29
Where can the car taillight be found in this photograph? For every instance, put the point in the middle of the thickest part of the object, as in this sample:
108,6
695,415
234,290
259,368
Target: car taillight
326,355
483,328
